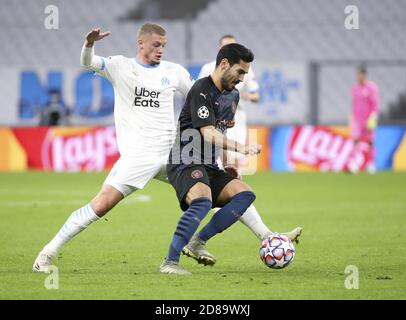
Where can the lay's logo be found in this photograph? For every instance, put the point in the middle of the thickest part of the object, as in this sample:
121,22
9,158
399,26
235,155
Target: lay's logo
325,149
79,149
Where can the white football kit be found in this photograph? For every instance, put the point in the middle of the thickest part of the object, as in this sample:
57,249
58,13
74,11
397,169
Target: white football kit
249,84
144,117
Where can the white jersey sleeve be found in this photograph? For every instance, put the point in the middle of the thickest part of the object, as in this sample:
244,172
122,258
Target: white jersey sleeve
250,83
185,81
207,69
106,67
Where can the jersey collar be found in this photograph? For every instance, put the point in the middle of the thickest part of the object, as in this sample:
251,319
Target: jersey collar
149,66
212,82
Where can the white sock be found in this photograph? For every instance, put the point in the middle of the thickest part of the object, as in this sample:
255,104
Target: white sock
253,221
78,221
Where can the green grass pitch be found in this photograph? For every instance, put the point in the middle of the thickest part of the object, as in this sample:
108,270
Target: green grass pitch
355,220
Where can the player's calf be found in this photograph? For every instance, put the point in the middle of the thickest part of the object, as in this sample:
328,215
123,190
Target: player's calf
187,226
105,200
78,221
227,215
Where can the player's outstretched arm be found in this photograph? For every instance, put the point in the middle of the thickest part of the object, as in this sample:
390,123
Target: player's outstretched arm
210,134
87,56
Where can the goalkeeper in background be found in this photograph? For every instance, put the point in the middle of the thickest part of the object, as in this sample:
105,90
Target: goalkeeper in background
364,118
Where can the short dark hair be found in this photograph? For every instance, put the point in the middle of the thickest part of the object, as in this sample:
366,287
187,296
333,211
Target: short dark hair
362,69
234,52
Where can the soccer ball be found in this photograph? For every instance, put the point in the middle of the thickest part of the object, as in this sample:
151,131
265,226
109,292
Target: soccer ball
277,251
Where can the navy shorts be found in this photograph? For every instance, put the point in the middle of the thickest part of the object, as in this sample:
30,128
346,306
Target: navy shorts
183,177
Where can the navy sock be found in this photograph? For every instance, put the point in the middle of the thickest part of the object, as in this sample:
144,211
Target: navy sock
227,215
187,226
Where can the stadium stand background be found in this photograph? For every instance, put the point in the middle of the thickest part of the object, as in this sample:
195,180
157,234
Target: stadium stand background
304,31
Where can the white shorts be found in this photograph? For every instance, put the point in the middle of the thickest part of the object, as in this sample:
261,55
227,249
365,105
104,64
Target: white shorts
238,132
131,173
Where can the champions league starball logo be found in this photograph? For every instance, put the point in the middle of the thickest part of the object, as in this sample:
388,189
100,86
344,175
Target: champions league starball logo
203,112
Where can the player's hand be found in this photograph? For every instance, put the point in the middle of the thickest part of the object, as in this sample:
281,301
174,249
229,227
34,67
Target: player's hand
245,96
230,124
250,96
253,149
95,35
232,171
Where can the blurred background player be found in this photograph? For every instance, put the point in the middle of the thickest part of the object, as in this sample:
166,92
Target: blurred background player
55,112
144,121
364,119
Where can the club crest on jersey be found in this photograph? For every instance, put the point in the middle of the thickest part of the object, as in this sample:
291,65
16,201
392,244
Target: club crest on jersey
203,112
165,81
197,174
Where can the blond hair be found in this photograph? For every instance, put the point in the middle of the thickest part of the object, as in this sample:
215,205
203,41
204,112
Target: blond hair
150,28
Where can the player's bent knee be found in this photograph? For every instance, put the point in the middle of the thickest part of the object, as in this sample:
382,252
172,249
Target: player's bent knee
202,206
245,199
236,186
102,204
249,196
100,207
232,189
242,186
105,200
199,190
